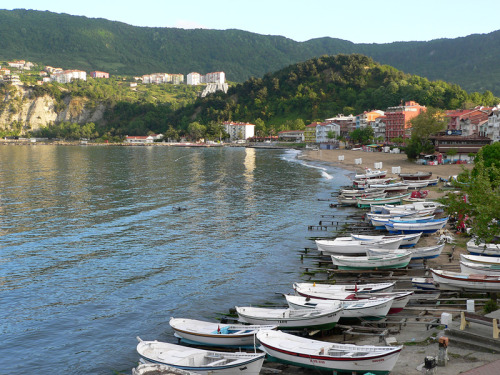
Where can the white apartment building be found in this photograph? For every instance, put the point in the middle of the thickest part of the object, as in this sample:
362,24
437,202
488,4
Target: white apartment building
493,126
66,76
193,78
157,78
215,77
239,130
323,129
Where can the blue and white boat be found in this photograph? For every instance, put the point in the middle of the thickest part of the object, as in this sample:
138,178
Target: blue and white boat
192,331
379,222
415,226
408,240
201,361
417,253
488,249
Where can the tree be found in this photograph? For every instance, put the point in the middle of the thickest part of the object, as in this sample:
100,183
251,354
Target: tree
196,130
479,200
429,122
171,134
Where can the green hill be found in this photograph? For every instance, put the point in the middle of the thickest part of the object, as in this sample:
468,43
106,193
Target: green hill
97,44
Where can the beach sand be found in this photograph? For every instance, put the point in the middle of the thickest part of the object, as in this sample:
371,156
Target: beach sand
388,161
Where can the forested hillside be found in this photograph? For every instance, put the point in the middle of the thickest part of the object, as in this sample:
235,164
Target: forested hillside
311,91
97,44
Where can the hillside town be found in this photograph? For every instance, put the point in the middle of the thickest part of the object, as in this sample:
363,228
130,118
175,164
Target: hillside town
214,81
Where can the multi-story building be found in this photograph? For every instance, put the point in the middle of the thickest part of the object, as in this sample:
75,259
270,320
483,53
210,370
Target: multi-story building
310,132
468,121
378,127
98,74
397,123
366,118
239,130
158,78
324,130
347,123
193,78
215,77
291,135
493,126
66,76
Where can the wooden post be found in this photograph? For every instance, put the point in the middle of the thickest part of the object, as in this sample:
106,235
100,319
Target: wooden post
496,331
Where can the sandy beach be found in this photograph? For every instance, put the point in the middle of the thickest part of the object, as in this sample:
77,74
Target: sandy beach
388,162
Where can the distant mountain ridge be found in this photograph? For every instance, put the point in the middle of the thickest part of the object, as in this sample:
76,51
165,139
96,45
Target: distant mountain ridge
97,44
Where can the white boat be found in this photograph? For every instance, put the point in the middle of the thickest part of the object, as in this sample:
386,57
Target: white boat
380,222
409,240
432,181
393,260
391,187
369,174
489,249
428,206
215,334
327,356
424,283
481,259
428,252
415,226
290,318
479,268
364,183
201,361
347,245
328,291
370,309
159,369
417,176
448,280
360,192
416,184
367,202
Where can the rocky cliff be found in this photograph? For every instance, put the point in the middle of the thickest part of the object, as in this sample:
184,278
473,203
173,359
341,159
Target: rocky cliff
20,108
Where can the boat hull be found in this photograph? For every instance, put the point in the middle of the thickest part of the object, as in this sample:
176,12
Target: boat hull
371,310
220,362
464,282
379,361
372,262
324,321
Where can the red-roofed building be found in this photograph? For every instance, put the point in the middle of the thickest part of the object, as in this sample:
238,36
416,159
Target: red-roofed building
397,123
468,121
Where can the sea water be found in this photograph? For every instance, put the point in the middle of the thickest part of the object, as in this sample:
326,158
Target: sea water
99,245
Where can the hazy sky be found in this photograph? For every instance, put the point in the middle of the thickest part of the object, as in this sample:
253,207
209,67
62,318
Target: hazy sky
359,21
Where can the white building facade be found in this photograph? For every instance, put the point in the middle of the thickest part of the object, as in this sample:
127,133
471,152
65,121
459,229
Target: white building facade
239,130
66,76
493,126
193,79
323,130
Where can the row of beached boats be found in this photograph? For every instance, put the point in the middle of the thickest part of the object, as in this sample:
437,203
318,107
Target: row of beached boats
312,306
321,306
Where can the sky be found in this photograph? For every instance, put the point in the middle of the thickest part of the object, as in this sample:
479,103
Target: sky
359,21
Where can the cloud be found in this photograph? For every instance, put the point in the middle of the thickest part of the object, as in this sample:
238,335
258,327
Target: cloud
185,24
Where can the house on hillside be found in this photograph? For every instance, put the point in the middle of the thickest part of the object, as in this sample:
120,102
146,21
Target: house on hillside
98,74
492,130
66,76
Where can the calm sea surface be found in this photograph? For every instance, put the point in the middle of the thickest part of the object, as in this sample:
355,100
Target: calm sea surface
93,254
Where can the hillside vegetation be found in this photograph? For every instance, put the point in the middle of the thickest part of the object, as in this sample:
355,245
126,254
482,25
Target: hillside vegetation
67,41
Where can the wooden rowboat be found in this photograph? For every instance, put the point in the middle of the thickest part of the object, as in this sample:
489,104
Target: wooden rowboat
327,356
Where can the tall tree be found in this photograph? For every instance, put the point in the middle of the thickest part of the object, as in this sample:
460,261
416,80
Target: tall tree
479,200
